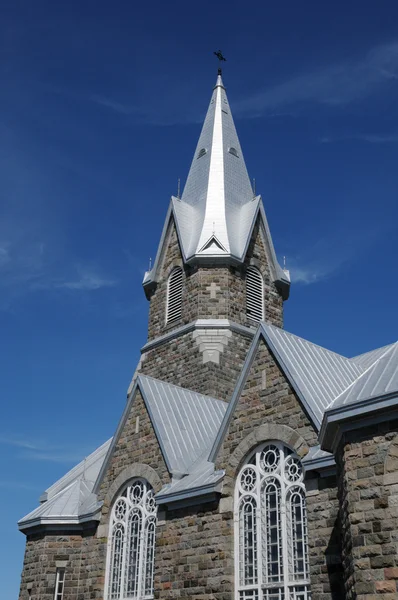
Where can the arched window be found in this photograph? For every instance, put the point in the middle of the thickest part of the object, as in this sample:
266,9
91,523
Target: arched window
254,295
174,295
271,527
131,543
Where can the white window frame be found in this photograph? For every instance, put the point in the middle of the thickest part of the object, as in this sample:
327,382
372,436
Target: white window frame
174,304
133,517
254,296
59,583
290,579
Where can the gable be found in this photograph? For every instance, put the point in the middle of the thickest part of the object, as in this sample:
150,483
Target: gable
186,422
135,441
263,395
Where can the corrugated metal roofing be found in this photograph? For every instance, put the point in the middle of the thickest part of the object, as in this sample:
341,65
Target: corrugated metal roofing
379,379
71,496
319,374
68,505
202,476
368,358
186,422
87,469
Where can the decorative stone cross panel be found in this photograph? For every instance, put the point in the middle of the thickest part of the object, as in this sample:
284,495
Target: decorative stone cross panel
213,288
211,342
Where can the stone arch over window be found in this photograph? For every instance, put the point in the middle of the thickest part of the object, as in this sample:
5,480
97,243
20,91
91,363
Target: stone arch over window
271,554
254,295
131,543
174,295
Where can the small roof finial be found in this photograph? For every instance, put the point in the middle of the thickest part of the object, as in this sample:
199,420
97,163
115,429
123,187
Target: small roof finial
221,58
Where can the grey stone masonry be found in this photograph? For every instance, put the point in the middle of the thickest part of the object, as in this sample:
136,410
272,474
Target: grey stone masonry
199,361
214,291
137,453
368,492
268,409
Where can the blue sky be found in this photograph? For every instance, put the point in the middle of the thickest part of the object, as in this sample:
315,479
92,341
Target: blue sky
100,110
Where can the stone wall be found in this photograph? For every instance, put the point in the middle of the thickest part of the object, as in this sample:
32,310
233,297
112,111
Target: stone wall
82,571
194,555
267,397
268,409
368,491
180,361
213,292
324,538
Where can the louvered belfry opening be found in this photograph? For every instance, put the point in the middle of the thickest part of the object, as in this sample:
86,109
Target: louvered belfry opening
174,295
254,295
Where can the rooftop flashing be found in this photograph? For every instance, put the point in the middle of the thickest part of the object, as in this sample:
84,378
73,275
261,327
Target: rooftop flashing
355,415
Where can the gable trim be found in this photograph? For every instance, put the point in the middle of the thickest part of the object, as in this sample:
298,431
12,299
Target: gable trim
120,427
261,333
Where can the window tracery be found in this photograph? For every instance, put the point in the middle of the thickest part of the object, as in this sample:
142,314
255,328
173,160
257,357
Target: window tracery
271,527
131,543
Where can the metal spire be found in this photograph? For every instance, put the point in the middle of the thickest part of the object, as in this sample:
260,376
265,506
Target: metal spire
218,185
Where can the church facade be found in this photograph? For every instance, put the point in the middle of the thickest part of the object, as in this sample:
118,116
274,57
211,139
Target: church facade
249,463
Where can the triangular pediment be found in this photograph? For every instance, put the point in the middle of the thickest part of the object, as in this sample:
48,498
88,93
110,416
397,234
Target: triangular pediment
213,246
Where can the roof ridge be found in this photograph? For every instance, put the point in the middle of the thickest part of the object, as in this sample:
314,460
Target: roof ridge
372,366
264,323
387,346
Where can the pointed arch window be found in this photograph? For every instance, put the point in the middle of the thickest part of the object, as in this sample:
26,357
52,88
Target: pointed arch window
131,544
174,295
271,527
254,295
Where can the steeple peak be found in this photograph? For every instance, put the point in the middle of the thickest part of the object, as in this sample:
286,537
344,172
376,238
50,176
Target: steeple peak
219,81
218,209
218,185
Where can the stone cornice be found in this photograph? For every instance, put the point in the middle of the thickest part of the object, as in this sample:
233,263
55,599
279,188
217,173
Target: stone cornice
198,324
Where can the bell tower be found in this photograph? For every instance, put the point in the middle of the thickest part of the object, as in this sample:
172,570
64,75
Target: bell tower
216,275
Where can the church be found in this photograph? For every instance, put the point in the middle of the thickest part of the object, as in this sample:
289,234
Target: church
249,463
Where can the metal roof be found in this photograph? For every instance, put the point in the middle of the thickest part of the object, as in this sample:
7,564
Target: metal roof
217,211
186,423
368,358
203,478
70,499
218,184
379,379
87,469
319,374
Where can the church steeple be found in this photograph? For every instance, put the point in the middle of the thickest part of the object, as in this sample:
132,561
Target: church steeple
218,185
217,213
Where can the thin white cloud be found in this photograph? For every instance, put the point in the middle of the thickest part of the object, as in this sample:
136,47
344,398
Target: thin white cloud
328,256
114,105
371,138
18,441
335,85
65,456
30,266
87,282
18,485
41,450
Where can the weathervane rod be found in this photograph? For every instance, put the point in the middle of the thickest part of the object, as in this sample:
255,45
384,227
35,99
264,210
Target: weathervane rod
221,58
